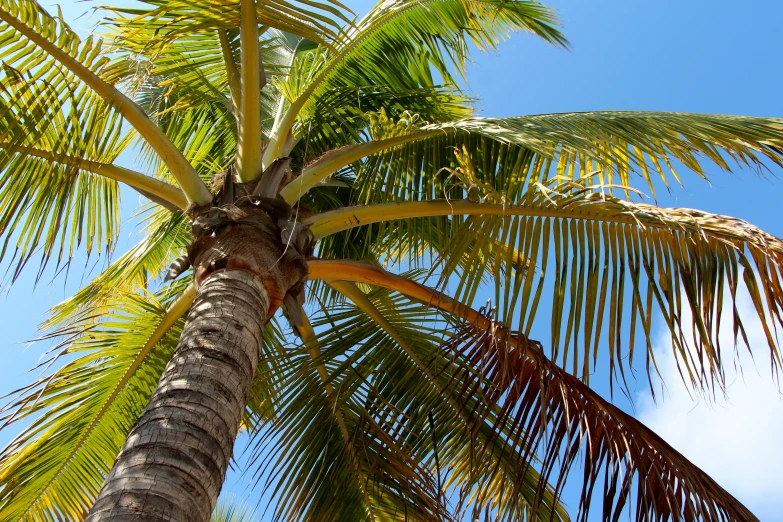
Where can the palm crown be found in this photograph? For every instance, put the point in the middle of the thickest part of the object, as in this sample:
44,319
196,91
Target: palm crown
353,134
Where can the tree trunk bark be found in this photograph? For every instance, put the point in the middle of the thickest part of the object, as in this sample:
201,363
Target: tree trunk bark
174,461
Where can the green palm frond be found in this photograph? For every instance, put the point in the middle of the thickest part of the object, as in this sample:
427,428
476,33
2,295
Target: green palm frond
625,148
194,108
82,413
184,88
159,23
617,144
397,32
166,237
25,54
192,71
50,47
206,134
310,450
47,200
378,477
408,40
340,117
234,511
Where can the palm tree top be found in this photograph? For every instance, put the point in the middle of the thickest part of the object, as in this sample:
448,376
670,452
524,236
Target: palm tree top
354,133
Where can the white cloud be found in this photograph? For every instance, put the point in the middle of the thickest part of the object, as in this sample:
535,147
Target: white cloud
737,439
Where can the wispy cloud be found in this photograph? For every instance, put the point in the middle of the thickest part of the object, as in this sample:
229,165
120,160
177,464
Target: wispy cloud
736,438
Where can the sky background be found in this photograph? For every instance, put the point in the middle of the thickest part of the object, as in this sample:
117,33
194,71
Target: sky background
688,56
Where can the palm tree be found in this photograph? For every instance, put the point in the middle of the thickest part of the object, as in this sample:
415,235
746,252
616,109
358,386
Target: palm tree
329,166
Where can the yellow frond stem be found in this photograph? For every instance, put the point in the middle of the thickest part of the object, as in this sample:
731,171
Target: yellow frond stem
359,272
141,182
251,71
334,160
334,221
721,227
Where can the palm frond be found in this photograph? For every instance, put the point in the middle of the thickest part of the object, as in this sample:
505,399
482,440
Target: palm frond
412,160
48,201
194,71
396,363
560,418
184,88
556,417
617,144
307,452
341,117
167,236
622,148
378,476
603,252
51,47
159,23
408,39
153,189
82,413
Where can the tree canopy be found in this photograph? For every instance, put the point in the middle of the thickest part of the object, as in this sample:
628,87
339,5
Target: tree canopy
418,404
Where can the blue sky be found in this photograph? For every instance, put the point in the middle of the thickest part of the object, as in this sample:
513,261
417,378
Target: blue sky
698,56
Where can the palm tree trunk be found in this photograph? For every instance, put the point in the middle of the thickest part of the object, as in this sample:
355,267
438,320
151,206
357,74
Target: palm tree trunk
174,461
248,256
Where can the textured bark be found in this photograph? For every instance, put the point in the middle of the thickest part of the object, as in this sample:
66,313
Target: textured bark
248,256
174,461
